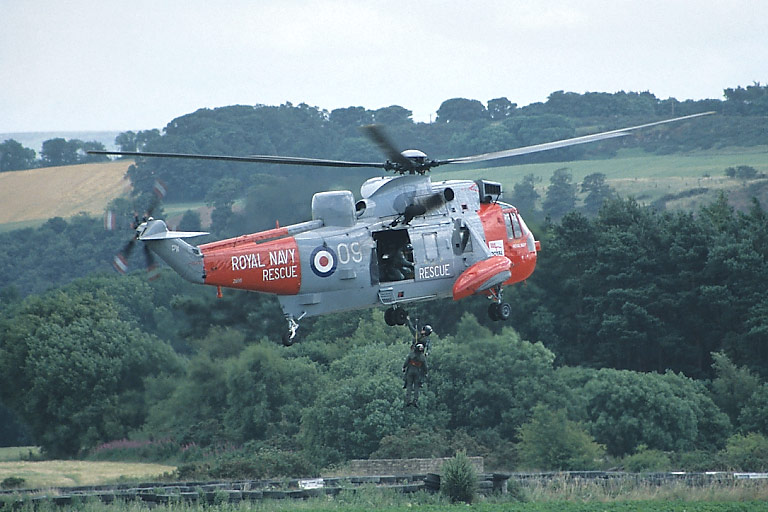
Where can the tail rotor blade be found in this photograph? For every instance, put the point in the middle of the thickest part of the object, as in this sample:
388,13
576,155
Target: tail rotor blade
160,191
120,263
109,220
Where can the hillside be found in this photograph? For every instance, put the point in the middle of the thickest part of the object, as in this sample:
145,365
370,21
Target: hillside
38,194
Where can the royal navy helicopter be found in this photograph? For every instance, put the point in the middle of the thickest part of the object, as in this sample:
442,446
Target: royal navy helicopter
406,239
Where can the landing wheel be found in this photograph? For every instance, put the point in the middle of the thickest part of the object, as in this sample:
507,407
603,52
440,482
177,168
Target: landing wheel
498,312
389,317
400,316
287,339
504,311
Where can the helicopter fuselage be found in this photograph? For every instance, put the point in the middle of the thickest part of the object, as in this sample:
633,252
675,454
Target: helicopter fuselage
408,239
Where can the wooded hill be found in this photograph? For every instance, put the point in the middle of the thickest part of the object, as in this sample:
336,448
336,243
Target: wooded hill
640,330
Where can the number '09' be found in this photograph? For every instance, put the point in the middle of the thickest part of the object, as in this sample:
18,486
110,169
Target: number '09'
349,251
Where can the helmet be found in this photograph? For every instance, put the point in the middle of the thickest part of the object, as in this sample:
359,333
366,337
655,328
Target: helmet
427,329
419,347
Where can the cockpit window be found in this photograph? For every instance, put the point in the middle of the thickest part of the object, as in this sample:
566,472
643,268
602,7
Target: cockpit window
514,229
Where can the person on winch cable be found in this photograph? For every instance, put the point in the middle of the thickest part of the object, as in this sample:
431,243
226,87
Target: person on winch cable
420,335
415,370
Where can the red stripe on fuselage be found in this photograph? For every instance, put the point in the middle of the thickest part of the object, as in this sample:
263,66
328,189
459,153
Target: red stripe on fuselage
269,267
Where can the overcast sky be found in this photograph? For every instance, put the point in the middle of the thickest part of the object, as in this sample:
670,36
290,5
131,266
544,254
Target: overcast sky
137,64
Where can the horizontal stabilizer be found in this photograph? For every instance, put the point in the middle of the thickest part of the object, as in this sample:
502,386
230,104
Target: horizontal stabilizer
166,235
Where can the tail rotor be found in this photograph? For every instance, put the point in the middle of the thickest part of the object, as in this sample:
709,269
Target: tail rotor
138,225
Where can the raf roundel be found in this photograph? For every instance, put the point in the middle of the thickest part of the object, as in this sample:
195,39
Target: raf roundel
323,261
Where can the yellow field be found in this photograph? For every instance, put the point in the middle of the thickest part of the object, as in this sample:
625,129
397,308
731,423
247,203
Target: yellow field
68,473
39,194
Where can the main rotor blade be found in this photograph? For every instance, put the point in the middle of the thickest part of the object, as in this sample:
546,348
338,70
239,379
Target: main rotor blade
376,133
266,159
623,132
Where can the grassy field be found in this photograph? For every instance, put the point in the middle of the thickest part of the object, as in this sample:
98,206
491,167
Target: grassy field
29,197
16,453
18,462
68,473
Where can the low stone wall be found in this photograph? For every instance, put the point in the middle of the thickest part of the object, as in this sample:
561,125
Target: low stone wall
403,466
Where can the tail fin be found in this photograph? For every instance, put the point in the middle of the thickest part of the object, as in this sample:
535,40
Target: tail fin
184,258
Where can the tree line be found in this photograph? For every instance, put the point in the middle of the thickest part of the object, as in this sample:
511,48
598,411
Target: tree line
462,127
54,152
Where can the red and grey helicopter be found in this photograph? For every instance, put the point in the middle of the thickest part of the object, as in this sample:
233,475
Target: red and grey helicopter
406,239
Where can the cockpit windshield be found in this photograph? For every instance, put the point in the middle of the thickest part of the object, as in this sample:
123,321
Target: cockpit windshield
516,228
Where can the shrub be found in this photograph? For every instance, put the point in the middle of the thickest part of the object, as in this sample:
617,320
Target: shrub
248,463
647,460
746,453
459,479
550,441
12,482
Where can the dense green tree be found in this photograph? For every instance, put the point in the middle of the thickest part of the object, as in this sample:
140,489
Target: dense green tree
190,221
460,110
15,157
392,116
491,137
500,108
751,99
732,386
190,409
493,381
665,412
267,393
74,371
136,141
351,117
753,416
601,104
59,151
84,157
597,190
524,195
561,194
12,433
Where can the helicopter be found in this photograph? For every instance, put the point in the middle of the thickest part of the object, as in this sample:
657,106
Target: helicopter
407,238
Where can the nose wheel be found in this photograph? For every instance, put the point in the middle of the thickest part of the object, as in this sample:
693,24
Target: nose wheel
395,316
498,310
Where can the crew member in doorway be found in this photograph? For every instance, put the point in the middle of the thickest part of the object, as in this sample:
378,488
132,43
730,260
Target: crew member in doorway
415,370
398,267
